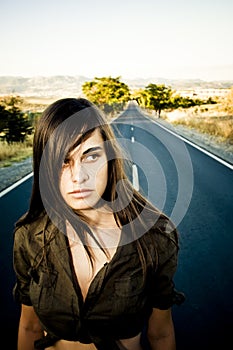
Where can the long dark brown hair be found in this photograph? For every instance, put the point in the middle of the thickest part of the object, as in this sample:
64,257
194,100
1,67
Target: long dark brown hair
62,126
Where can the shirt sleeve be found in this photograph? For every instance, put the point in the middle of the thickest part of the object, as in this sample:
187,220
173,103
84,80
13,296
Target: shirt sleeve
164,294
21,264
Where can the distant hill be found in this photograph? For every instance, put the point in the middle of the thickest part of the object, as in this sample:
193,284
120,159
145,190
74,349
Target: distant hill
181,84
42,86
64,85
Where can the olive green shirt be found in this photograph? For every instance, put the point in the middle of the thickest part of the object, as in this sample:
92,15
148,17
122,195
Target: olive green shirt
120,298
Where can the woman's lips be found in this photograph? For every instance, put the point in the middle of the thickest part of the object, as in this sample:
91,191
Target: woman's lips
82,193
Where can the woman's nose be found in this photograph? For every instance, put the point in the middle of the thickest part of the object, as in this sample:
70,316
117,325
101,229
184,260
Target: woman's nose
79,173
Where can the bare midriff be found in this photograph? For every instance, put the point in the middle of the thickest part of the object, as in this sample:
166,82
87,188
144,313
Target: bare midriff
123,344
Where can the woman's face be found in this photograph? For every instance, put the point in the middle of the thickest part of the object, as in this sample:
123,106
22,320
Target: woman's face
84,173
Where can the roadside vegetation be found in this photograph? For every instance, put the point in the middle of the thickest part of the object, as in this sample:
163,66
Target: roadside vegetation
16,152
18,117
213,122
16,130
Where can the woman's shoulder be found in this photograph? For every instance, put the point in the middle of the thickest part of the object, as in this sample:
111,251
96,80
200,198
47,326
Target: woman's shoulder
33,226
162,240
163,230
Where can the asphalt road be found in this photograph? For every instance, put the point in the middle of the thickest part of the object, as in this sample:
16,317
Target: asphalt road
196,191
12,206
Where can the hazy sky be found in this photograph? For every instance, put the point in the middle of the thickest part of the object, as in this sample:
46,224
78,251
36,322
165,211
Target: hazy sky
127,38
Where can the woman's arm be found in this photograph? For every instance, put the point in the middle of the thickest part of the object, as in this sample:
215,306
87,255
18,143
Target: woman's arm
161,333
29,328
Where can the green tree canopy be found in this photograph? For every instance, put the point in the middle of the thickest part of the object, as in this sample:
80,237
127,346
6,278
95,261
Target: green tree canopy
142,97
107,92
159,97
15,125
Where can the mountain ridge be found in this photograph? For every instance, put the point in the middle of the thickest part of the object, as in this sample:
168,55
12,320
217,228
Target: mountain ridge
60,85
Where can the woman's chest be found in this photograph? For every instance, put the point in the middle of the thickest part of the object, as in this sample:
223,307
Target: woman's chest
87,264
110,290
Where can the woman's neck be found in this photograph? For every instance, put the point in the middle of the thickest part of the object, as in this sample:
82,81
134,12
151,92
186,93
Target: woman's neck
104,228
100,218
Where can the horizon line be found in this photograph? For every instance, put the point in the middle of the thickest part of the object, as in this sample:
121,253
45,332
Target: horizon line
120,76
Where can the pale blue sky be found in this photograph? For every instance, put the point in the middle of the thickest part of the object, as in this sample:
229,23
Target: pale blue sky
127,38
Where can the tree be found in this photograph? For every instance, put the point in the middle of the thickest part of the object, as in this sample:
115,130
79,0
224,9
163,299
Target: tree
4,115
16,125
159,97
142,97
108,93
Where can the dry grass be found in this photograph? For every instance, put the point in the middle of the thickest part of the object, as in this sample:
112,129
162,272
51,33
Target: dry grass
14,152
216,126
211,121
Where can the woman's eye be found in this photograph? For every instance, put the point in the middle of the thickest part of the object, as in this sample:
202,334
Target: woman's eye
91,157
66,161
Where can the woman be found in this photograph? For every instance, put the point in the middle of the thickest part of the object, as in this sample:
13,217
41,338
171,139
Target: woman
94,260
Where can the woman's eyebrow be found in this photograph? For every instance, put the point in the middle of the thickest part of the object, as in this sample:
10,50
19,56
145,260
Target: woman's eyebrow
93,149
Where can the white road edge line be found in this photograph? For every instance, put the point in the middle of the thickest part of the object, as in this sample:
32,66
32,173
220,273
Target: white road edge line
230,166
19,182
135,177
